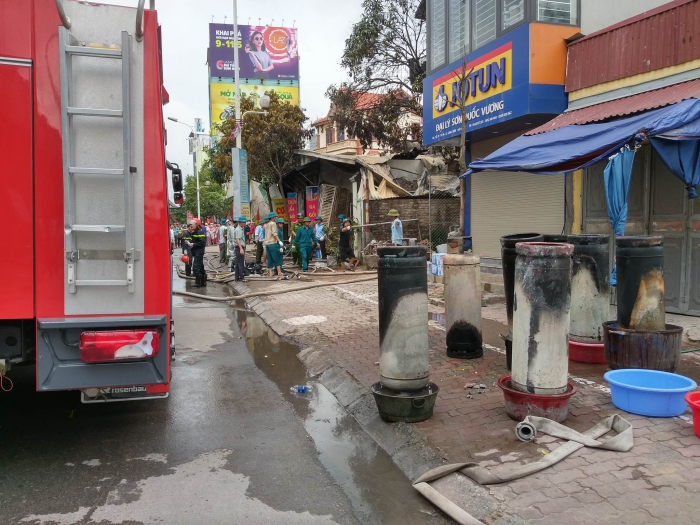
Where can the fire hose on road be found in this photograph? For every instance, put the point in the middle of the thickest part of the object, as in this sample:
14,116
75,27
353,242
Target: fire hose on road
527,431
273,292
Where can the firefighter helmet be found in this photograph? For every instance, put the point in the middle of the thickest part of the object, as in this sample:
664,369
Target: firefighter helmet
185,258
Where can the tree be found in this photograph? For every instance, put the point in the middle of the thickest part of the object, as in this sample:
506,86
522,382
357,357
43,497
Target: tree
459,99
385,58
212,198
269,140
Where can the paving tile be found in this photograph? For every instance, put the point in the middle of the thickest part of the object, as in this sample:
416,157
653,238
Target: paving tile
557,506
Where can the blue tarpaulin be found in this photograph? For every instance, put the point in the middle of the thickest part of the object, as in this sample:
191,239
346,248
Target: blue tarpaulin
682,157
618,174
577,146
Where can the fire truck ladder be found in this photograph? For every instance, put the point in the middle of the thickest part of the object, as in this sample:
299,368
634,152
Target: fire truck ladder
70,47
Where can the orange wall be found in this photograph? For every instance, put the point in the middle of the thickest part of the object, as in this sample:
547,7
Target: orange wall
548,53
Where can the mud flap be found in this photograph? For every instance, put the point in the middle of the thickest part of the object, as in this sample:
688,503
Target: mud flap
59,366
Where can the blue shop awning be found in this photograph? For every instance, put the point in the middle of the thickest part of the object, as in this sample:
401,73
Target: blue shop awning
576,146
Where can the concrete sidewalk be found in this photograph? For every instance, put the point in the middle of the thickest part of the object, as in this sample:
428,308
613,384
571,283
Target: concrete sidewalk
656,482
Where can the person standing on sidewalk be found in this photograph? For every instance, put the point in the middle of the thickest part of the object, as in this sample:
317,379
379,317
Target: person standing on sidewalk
221,241
259,238
231,244
320,231
305,241
396,228
239,239
345,252
272,246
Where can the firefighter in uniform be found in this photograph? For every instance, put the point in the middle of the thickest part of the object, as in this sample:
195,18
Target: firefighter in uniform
187,245
199,243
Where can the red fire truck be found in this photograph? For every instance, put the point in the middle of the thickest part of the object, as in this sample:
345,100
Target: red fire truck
86,290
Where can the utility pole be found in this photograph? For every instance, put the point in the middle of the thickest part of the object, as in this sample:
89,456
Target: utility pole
236,74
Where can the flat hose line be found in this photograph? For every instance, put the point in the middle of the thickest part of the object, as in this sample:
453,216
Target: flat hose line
622,442
272,292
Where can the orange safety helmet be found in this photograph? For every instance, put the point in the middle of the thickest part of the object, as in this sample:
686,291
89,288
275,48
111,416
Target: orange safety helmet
185,258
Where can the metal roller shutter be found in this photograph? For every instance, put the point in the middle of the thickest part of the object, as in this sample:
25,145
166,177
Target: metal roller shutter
506,202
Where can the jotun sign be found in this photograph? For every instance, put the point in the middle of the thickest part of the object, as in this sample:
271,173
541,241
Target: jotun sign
500,83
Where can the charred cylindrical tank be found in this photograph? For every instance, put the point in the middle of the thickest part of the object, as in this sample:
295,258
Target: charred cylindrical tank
403,317
508,257
641,303
541,317
590,287
462,281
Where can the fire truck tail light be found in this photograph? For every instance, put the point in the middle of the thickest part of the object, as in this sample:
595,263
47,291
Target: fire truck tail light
118,345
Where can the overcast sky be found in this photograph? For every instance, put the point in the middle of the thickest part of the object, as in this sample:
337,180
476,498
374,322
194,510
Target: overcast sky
323,27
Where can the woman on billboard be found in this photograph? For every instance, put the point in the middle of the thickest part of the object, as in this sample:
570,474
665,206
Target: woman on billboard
259,55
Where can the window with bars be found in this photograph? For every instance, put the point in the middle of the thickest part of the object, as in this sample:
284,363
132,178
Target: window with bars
458,29
512,13
484,30
329,135
438,30
557,11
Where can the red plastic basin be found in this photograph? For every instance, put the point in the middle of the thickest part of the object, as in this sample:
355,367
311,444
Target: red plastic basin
587,352
693,399
522,404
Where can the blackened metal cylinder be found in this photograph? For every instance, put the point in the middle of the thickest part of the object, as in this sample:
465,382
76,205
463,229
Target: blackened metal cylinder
403,317
508,257
641,303
590,287
555,237
541,317
462,279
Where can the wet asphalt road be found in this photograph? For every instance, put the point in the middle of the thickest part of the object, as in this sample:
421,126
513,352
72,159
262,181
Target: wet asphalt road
230,445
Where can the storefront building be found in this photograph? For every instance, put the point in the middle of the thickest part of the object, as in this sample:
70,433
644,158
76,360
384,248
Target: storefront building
518,52
660,69
632,87
514,54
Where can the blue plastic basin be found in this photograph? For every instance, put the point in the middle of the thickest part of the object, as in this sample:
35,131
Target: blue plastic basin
649,392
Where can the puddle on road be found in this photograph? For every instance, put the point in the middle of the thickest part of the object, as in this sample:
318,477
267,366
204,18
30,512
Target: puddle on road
378,491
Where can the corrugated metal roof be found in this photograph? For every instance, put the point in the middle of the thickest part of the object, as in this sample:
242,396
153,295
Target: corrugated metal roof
624,107
662,37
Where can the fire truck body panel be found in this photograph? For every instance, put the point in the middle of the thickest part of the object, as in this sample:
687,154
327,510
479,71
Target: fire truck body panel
18,257
99,260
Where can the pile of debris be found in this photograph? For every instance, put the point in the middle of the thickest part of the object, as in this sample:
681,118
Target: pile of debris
371,248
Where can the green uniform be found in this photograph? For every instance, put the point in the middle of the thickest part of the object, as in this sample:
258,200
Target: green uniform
296,255
305,241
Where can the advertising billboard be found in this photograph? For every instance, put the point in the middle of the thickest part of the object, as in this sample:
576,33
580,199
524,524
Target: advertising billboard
223,99
264,52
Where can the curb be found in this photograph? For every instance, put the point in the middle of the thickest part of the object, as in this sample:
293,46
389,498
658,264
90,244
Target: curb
408,449
269,315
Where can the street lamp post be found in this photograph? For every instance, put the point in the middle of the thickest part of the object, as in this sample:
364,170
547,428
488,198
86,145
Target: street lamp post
194,162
